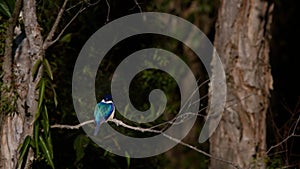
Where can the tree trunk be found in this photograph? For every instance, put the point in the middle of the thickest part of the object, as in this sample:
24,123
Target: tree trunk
242,42
19,86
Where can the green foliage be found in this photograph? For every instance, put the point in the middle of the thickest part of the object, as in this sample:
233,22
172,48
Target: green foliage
46,14
24,149
48,69
66,38
274,162
42,136
47,152
41,141
36,67
127,159
7,7
41,87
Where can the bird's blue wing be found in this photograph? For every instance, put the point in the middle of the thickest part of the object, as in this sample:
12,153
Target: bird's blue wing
101,113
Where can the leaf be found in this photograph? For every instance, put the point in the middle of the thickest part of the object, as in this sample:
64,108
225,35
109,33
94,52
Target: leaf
35,68
45,121
54,96
127,159
4,9
49,144
37,115
48,69
24,149
36,137
41,94
11,5
47,153
66,38
38,85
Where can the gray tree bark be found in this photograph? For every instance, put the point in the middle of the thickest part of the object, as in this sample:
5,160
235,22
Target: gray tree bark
242,42
19,87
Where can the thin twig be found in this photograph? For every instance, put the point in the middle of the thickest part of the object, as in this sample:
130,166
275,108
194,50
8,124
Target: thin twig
186,104
74,6
283,141
108,11
92,4
200,151
118,122
67,25
138,5
48,40
295,127
63,126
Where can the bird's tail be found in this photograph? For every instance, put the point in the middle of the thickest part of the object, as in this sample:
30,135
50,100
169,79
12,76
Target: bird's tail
97,129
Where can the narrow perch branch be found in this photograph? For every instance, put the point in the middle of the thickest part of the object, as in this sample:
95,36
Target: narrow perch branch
62,126
118,122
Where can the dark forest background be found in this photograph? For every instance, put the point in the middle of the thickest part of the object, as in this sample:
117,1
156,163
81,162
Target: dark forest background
73,149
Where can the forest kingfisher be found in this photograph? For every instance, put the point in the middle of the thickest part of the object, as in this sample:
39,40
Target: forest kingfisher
104,111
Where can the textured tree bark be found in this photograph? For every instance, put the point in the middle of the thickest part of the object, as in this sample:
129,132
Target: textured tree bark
19,89
242,42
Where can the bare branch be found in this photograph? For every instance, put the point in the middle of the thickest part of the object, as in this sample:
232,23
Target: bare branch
200,151
48,40
152,130
92,4
67,25
295,127
138,5
108,11
74,6
287,138
284,140
61,126
120,123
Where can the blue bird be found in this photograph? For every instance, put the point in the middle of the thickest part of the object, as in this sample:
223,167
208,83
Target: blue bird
104,111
